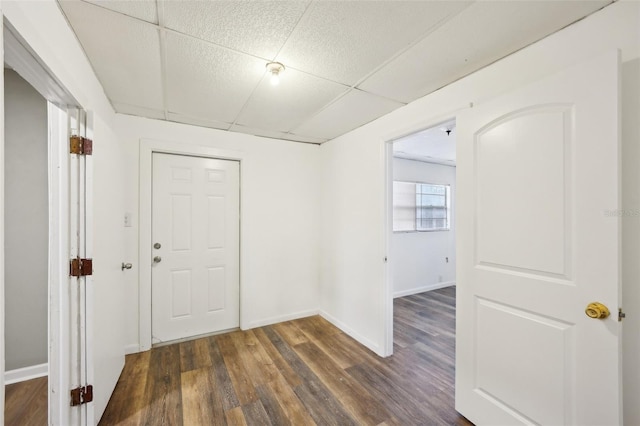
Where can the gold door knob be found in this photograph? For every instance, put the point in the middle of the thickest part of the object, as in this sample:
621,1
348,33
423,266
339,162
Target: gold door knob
597,310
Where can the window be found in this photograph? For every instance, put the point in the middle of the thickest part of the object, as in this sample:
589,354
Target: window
420,207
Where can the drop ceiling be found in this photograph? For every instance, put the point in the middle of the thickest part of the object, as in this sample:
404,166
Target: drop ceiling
347,62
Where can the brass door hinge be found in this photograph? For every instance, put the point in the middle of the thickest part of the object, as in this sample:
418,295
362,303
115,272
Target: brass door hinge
80,267
81,146
81,395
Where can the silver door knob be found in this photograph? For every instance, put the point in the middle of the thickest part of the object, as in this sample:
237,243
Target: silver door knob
157,246
157,259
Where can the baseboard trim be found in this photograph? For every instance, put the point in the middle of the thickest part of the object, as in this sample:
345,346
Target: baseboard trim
26,373
348,330
282,318
423,289
132,349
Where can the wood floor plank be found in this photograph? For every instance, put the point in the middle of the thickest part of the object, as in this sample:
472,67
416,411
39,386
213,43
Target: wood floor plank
290,403
290,333
301,372
325,340
163,389
202,404
223,380
255,414
255,356
272,406
283,367
356,399
26,402
235,417
329,411
125,407
324,410
242,381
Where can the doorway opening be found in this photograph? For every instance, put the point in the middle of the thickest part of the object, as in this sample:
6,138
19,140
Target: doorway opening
422,241
42,335
26,225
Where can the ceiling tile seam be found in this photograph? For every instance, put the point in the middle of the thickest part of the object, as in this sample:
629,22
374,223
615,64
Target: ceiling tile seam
171,120
289,140
318,111
418,40
163,57
293,30
209,42
194,117
66,18
106,9
118,12
246,102
336,99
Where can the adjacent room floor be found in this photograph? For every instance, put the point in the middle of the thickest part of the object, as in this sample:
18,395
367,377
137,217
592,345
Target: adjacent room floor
299,372
25,403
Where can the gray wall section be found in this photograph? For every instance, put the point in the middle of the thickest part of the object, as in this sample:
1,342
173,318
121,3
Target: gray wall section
631,239
26,224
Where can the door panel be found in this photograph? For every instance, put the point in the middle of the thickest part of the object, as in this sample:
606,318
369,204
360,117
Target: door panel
195,283
537,173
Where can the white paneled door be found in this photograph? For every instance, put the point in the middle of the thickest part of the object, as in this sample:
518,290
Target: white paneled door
538,229
195,239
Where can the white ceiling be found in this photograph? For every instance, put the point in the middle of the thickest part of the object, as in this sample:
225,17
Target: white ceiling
347,62
434,145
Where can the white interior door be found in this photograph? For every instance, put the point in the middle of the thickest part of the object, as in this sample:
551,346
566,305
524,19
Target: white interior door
195,233
538,240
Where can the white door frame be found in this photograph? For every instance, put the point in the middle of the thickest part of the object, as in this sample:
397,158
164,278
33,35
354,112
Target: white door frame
27,64
387,150
147,148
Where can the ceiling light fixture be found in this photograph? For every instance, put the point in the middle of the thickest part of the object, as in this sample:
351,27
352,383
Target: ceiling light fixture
275,68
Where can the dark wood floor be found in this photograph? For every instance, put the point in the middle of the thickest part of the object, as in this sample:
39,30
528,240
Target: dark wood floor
300,372
25,403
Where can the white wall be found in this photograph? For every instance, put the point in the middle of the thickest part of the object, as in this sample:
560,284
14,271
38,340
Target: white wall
353,292
419,259
26,224
46,31
631,238
280,217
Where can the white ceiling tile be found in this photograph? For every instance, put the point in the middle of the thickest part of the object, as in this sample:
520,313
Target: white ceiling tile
204,80
257,132
346,40
141,9
347,113
138,111
124,52
480,35
282,107
197,121
256,27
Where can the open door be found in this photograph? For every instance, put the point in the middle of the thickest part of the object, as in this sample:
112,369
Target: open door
538,241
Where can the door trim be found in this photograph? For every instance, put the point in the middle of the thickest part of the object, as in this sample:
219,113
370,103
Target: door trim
147,148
